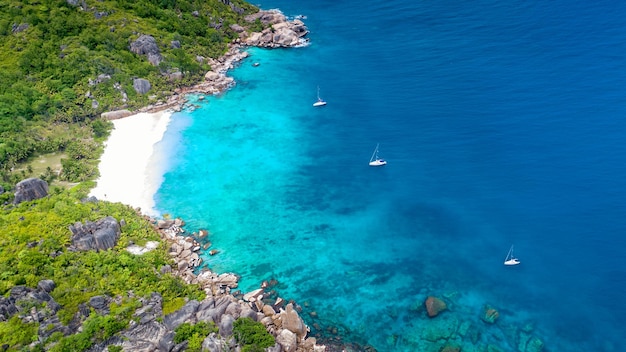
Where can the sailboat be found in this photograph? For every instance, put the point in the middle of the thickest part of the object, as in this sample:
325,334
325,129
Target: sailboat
375,160
510,258
320,101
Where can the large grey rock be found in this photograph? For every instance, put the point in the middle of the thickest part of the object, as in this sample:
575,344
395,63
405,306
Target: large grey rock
100,235
151,309
212,308
146,45
144,337
226,325
117,114
166,343
30,189
46,285
33,305
173,320
292,321
100,304
142,86
288,340
214,343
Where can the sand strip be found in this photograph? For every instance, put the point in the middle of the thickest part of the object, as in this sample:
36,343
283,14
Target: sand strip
126,173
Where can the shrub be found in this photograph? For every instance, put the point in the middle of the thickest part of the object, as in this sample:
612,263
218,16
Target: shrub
252,335
194,334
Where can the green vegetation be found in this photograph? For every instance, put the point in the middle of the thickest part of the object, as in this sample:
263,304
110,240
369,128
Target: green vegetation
33,247
14,332
62,65
194,334
252,335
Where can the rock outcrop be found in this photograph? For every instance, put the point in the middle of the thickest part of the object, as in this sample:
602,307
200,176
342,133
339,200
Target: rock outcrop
117,114
146,45
141,86
280,33
30,189
100,235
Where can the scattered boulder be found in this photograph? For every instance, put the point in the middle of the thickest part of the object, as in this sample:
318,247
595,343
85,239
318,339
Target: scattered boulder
490,315
173,320
46,285
529,343
30,189
292,321
287,340
100,235
146,45
142,86
434,306
114,115
100,304
17,28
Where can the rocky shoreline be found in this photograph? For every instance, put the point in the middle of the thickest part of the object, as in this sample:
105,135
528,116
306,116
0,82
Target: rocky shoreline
150,329
281,33
221,305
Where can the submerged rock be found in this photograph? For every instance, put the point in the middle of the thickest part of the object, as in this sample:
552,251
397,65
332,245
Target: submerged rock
434,306
490,315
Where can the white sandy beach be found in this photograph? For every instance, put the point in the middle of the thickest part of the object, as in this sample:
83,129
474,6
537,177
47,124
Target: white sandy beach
126,172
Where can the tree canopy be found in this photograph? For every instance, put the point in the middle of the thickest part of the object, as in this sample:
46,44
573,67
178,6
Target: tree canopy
64,62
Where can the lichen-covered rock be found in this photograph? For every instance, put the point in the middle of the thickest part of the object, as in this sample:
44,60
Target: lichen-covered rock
30,189
434,306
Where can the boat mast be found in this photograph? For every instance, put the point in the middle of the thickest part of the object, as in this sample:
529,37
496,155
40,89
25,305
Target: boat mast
375,154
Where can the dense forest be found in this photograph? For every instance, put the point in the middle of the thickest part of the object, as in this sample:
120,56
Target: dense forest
64,62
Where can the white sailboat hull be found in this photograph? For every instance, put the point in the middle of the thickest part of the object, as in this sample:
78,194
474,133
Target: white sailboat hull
319,103
375,160
512,262
378,162
510,259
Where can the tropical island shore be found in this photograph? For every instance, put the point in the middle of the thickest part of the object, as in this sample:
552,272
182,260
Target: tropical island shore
132,176
127,175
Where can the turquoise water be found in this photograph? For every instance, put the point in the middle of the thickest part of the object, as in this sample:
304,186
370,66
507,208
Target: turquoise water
502,124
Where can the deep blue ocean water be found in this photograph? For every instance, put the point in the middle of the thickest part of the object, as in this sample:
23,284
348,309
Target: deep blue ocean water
502,122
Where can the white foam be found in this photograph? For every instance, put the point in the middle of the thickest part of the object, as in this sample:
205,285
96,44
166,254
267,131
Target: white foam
127,174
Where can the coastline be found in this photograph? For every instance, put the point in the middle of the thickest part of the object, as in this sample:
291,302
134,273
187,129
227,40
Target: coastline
131,173
127,174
